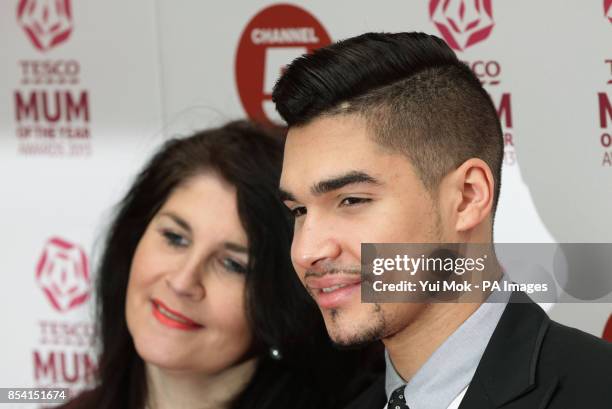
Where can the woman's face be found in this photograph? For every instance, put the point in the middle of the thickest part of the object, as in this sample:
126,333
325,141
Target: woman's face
185,299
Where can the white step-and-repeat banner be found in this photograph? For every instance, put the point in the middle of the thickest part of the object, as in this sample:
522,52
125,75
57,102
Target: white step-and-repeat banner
90,88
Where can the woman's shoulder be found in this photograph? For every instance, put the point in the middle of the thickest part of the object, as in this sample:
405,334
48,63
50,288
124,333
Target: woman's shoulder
327,383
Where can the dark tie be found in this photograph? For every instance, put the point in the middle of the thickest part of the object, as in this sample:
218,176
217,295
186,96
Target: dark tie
397,400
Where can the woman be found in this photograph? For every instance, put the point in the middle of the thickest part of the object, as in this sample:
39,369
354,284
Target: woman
198,302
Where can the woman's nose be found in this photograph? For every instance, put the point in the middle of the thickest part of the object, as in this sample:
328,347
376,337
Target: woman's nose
186,281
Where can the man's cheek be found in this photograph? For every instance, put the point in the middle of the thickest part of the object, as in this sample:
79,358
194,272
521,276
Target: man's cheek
308,290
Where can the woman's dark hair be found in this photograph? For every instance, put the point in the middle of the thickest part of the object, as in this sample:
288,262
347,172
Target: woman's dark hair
281,314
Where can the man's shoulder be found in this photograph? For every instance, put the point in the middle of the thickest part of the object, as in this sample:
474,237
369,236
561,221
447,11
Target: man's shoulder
533,361
567,339
572,353
581,366
569,346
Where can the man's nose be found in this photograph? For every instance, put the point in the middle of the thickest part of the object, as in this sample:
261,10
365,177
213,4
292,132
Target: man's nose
314,242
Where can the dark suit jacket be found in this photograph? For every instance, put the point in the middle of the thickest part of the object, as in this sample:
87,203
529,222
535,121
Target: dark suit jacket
531,362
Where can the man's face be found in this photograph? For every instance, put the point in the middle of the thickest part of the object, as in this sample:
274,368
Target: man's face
344,189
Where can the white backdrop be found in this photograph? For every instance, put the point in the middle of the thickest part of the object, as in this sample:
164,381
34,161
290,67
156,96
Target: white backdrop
89,89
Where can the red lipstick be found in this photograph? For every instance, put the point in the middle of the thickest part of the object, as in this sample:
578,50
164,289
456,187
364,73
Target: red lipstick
171,318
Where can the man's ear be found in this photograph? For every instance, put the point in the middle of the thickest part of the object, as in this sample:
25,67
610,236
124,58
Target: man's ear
473,189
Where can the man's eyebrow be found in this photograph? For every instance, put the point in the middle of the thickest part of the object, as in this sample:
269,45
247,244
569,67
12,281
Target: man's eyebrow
335,183
285,195
338,182
178,220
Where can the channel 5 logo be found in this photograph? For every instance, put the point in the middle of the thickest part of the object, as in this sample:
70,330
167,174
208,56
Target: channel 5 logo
46,22
272,39
462,23
63,274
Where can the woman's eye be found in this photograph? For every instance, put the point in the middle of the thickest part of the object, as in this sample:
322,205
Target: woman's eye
298,211
351,201
233,266
174,239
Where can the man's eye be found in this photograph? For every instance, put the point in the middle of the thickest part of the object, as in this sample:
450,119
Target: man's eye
174,239
233,266
351,201
298,211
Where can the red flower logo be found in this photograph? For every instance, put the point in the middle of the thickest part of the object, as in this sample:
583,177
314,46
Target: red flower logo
46,22
608,9
462,23
63,274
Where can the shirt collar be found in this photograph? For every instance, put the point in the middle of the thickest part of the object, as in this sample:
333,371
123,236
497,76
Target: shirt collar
451,367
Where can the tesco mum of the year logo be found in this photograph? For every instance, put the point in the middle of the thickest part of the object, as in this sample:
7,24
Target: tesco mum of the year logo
462,23
608,9
46,22
63,274
271,40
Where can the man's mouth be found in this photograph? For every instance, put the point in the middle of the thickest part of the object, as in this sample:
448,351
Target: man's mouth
333,288
332,291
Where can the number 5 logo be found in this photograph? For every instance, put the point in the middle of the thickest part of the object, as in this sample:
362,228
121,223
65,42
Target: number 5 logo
271,40
276,60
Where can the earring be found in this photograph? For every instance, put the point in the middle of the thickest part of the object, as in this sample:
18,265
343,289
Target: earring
275,353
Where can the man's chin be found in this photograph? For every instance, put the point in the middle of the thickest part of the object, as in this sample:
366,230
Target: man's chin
346,345
351,336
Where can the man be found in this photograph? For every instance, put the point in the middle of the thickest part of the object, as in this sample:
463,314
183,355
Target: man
392,139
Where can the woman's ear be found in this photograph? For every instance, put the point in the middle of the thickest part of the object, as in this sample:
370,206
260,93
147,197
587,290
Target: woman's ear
473,191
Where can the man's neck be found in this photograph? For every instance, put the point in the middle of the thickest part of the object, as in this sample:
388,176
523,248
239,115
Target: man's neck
412,346
167,389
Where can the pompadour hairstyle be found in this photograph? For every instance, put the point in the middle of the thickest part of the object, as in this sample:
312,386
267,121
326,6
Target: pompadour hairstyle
412,90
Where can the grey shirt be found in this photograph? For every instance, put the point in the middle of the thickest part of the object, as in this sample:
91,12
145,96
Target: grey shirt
449,370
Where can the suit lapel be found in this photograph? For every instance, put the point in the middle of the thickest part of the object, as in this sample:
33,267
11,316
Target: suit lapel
508,366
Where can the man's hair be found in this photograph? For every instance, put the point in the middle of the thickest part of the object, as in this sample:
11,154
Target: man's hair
413,92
